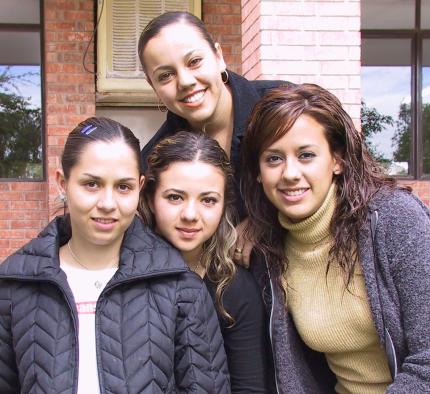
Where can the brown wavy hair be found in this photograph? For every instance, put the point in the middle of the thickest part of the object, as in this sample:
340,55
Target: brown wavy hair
361,176
218,249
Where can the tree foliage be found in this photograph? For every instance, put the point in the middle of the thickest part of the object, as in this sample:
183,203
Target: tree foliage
20,132
372,122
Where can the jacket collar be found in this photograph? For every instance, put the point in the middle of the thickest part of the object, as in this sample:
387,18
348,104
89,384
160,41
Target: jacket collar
143,254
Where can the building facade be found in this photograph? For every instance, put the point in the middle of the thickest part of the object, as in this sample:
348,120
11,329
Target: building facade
350,47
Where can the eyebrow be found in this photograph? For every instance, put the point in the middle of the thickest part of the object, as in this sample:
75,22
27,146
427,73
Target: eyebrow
204,194
97,178
273,150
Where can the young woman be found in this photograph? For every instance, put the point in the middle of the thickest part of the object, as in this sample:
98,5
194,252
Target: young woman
98,303
349,247
190,78
187,198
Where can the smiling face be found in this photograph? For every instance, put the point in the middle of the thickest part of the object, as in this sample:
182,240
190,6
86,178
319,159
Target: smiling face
102,193
297,170
188,205
185,73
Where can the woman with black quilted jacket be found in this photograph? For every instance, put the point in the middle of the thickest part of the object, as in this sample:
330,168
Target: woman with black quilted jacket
97,303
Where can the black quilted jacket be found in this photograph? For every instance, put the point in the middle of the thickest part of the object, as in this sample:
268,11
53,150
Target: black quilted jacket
156,328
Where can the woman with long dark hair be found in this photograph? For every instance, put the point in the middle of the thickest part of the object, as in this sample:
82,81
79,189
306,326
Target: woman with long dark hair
347,248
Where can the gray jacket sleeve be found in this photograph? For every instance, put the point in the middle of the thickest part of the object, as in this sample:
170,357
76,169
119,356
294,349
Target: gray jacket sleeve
9,382
200,360
407,243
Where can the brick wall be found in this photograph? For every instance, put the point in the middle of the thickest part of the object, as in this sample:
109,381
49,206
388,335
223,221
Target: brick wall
305,41
23,212
223,20
70,90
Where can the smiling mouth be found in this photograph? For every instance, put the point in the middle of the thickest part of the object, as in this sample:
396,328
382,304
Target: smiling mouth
295,192
195,97
104,221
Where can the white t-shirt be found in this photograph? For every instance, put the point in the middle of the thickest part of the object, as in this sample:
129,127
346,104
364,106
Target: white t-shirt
86,287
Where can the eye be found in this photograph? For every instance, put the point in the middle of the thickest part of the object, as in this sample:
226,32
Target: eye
124,187
306,156
174,197
195,61
91,185
273,159
209,201
164,77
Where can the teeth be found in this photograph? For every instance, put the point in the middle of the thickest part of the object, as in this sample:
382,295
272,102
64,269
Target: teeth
194,97
294,192
104,221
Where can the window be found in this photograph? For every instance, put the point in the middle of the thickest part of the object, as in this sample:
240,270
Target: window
396,84
120,78
20,91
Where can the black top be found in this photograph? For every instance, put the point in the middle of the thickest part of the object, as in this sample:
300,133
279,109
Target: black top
246,342
245,96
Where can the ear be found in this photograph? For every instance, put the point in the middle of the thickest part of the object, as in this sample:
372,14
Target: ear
337,167
61,181
220,57
141,182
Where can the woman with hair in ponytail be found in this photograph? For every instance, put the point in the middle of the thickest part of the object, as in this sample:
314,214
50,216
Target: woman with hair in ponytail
188,199
347,249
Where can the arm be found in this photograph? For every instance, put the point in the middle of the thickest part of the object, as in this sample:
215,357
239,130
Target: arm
9,382
247,341
200,360
408,252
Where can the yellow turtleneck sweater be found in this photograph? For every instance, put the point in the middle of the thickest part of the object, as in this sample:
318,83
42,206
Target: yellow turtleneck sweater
330,319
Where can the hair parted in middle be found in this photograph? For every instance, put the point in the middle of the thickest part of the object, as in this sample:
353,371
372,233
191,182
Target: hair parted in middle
360,179
218,249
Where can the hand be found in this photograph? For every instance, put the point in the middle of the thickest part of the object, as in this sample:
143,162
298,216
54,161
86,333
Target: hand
244,246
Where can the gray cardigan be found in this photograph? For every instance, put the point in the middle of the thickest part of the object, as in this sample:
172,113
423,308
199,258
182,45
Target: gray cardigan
402,247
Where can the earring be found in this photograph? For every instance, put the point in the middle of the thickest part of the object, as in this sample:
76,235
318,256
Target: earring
259,178
224,76
63,198
162,107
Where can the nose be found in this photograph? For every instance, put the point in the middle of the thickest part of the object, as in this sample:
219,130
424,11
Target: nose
106,200
185,78
291,171
189,212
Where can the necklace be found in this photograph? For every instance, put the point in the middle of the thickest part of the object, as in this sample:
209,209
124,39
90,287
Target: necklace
98,284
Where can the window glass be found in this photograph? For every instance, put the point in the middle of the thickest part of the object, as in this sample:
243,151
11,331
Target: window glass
426,106
20,91
386,97
425,14
13,12
387,14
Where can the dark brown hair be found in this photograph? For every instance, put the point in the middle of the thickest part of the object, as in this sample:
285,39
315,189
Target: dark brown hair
154,27
361,176
92,130
218,249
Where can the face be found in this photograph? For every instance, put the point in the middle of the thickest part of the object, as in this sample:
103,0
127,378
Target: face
186,73
102,193
188,205
297,170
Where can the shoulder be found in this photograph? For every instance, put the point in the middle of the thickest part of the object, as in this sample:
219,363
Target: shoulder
263,86
400,207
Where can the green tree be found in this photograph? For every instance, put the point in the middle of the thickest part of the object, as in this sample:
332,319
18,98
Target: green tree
372,122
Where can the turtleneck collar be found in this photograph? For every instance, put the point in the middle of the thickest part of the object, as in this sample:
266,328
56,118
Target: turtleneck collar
315,228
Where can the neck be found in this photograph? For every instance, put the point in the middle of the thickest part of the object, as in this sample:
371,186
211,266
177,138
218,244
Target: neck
193,260
91,257
220,125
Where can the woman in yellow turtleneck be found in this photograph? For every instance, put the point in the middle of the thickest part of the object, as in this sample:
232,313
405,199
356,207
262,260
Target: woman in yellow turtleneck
349,248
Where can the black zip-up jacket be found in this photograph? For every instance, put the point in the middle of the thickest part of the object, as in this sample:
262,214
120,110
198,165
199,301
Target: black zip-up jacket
156,327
